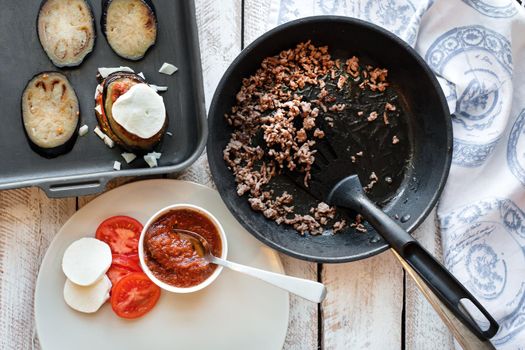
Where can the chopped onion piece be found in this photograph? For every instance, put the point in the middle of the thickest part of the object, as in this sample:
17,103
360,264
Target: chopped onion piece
151,160
155,154
83,130
169,133
99,133
109,142
128,157
104,72
142,75
168,68
116,165
159,88
98,91
98,108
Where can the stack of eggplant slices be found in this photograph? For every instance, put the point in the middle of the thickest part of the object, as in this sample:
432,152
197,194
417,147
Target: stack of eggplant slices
130,112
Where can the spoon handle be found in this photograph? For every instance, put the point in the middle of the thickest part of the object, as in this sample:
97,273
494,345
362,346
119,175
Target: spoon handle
310,290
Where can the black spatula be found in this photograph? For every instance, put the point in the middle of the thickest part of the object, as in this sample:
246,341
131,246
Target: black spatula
334,181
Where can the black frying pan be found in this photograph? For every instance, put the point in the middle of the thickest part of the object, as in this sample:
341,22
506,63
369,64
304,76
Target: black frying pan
426,115
424,126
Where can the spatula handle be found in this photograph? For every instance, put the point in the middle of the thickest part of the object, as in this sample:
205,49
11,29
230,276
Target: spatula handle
448,289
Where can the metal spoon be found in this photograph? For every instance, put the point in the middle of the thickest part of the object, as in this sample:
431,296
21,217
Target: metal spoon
310,290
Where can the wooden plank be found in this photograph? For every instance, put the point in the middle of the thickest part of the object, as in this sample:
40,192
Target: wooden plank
199,172
256,22
28,222
303,323
364,304
423,327
219,24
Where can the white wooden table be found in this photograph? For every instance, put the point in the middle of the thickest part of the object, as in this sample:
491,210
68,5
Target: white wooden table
370,305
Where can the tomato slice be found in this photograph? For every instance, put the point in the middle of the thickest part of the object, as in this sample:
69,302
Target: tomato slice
122,265
122,233
134,295
130,262
115,273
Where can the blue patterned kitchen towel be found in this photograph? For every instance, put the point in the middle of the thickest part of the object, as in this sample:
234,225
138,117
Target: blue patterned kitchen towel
477,50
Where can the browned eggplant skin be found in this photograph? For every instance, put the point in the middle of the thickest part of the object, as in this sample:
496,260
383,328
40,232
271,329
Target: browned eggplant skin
88,4
55,151
103,122
103,21
116,132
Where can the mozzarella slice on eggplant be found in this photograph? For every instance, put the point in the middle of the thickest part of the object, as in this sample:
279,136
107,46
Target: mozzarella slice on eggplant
87,299
130,26
140,111
50,114
66,30
85,261
114,87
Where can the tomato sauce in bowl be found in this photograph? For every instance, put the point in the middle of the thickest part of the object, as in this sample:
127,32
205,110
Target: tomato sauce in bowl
172,259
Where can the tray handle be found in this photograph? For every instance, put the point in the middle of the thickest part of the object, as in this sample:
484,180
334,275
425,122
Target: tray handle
74,188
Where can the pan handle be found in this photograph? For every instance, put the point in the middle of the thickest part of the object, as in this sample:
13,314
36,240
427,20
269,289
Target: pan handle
466,339
449,290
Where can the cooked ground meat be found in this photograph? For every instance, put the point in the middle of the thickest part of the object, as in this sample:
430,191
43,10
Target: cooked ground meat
357,224
373,180
277,126
385,118
372,116
390,107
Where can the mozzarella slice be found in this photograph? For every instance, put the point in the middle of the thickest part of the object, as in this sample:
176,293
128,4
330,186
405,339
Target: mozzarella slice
86,260
87,299
140,111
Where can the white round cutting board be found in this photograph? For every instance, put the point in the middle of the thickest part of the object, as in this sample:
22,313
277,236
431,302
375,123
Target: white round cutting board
234,312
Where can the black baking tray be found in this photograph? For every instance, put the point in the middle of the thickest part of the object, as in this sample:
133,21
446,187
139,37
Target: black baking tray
88,167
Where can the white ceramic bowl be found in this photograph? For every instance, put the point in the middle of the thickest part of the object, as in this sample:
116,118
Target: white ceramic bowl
165,285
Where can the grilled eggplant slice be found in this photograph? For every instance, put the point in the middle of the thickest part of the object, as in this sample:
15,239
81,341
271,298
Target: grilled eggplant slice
50,114
114,86
66,29
130,26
